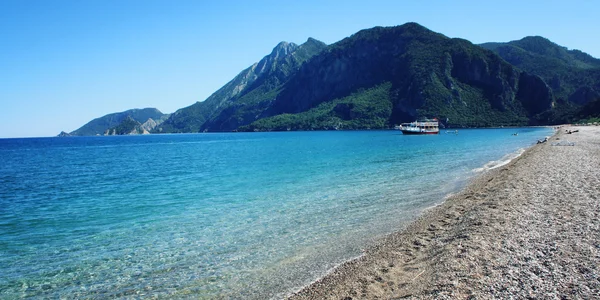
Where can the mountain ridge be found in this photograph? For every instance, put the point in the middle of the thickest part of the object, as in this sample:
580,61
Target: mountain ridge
260,77
544,47
430,74
573,75
383,76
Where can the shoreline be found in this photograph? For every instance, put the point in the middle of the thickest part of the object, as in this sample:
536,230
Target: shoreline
489,239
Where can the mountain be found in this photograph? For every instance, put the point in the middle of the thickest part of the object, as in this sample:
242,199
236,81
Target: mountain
384,76
100,125
374,79
63,134
590,112
241,100
530,51
388,75
573,75
130,126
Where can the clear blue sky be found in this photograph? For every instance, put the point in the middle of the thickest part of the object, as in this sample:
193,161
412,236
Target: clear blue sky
63,63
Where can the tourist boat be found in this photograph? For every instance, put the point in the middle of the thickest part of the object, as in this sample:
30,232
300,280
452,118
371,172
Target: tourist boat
421,127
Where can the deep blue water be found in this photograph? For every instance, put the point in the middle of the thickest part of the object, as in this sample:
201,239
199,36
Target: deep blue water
233,215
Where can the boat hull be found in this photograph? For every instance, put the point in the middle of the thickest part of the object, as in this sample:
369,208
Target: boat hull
419,132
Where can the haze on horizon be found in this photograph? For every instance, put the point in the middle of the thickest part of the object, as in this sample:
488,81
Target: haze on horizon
64,63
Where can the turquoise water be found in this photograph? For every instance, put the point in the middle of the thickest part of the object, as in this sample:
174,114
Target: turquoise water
232,215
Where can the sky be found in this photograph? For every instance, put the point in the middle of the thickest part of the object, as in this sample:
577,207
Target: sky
64,63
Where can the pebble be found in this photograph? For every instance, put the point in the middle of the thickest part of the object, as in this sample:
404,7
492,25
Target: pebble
540,239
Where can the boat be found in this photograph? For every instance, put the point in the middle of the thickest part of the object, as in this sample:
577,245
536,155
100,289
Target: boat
421,127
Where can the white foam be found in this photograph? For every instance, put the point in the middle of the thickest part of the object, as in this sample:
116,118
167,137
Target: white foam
501,162
329,271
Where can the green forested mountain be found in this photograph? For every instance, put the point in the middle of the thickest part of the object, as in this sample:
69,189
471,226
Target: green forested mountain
242,99
414,73
100,125
573,75
384,76
374,79
538,53
364,109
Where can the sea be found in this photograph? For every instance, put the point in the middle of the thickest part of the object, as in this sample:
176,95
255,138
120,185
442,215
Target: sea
219,215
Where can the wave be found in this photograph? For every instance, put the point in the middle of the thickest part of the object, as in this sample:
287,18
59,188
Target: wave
501,162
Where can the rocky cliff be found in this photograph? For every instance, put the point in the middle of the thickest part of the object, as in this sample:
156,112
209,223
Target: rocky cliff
129,126
99,126
573,76
428,75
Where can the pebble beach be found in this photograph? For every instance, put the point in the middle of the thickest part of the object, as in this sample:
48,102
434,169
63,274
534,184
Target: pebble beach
528,229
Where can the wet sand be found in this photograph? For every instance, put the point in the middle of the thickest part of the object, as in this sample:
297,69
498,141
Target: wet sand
529,229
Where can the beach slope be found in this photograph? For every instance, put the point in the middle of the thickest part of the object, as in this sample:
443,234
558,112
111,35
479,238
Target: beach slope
529,229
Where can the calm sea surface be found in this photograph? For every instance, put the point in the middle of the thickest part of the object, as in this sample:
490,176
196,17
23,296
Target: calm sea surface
233,215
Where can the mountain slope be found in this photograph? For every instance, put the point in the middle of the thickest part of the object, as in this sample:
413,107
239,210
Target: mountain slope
574,76
425,74
99,126
130,126
530,51
566,71
546,48
366,109
251,88
394,74
126,127
384,76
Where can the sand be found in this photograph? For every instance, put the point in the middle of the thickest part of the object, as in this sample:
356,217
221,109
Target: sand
529,229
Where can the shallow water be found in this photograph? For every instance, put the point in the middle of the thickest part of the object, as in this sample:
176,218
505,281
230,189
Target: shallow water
232,215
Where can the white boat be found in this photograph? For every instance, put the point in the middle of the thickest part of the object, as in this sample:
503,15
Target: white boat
421,127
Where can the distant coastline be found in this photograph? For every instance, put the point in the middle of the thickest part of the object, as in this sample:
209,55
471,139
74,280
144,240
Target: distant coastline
348,86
